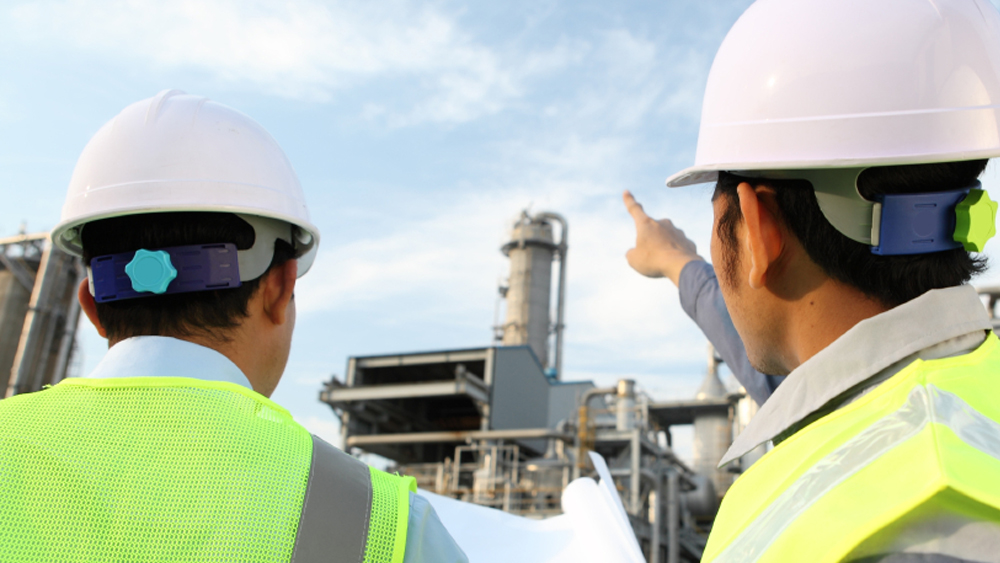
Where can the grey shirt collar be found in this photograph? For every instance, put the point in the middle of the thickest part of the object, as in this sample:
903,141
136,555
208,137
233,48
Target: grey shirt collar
939,323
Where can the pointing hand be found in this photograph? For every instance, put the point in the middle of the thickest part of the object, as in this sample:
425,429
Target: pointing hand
661,249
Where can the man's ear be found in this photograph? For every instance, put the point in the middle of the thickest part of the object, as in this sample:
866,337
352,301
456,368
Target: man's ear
278,289
764,238
90,307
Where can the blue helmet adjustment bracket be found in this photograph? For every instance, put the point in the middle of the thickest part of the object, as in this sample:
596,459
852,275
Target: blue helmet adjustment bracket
918,223
178,269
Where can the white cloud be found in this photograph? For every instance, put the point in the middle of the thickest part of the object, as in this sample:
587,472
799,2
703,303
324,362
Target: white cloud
301,39
299,48
422,60
328,430
632,78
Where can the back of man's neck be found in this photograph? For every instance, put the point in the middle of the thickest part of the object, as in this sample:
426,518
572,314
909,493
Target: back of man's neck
824,315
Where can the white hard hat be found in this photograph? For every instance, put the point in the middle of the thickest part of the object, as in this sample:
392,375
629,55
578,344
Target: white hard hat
819,84
178,152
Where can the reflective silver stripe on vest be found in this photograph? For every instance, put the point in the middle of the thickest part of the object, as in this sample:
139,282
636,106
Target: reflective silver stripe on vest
973,427
336,510
923,405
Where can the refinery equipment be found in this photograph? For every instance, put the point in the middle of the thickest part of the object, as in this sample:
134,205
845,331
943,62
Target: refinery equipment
499,426
532,250
38,313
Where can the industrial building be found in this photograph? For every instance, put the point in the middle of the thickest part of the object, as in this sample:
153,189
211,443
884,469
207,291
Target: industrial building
499,426
39,313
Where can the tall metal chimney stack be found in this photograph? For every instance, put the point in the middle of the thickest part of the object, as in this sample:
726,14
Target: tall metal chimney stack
531,250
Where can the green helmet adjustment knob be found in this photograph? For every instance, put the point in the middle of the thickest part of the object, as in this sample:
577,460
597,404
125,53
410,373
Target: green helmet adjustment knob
975,220
150,270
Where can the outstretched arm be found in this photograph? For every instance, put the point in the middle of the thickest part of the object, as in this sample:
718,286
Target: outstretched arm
662,250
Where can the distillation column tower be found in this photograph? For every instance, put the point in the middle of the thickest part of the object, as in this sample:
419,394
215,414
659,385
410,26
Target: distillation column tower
531,250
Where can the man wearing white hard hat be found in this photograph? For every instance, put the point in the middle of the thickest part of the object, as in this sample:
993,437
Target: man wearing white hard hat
845,139
194,230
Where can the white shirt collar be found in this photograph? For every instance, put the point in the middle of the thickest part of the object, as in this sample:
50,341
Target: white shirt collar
162,356
939,323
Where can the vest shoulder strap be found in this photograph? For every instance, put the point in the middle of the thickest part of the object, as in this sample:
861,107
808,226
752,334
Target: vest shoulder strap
352,513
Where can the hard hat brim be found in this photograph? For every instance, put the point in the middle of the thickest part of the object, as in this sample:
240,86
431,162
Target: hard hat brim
705,173
693,175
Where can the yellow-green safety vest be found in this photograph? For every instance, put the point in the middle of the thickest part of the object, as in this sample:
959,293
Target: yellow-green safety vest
925,442
180,469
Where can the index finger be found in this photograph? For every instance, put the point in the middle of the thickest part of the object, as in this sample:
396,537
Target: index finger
634,207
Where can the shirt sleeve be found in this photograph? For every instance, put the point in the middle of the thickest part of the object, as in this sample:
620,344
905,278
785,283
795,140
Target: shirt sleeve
702,301
427,540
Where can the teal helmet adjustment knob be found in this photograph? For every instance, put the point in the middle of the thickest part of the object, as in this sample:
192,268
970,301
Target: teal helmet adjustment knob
975,220
151,271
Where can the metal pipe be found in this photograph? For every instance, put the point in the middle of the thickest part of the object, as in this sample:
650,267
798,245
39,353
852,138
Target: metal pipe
656,519
459,436
635,480
591,393
673,516
562,249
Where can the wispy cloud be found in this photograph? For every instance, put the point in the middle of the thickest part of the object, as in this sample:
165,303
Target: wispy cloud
300,48
319,51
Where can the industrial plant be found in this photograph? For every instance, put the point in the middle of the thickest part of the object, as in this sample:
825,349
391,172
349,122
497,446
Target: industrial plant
499,426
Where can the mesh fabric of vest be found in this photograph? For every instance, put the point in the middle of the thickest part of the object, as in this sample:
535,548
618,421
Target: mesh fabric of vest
149,469
390,510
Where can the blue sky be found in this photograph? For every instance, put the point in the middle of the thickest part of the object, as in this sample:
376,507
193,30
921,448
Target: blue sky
419,131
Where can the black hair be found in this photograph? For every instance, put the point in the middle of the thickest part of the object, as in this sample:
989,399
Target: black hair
890,280
208,313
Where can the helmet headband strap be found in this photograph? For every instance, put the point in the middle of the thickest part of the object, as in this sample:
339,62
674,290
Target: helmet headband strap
895,224
254,261
839,199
